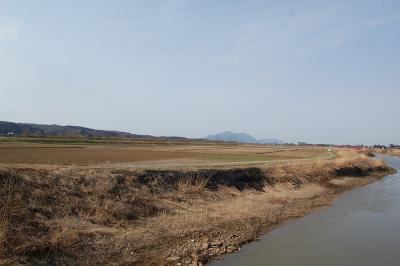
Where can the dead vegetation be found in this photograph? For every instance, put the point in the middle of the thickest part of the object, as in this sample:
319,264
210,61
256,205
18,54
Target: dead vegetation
393,152
192,183
86,216
150,155
81,155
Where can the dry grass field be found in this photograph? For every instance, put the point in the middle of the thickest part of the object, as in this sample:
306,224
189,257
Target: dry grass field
150,154
394,152
158,203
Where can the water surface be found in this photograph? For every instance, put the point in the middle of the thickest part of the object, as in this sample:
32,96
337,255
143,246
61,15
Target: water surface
361,228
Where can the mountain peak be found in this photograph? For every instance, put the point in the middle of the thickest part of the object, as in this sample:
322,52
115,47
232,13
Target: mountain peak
242,137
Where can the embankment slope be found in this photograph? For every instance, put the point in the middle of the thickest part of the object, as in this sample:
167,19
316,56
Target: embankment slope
93,216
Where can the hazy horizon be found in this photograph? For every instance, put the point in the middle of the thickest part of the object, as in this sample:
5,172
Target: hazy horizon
316,71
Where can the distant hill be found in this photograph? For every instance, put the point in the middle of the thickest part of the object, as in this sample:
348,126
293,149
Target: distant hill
242,137
230,136
24,129
40,130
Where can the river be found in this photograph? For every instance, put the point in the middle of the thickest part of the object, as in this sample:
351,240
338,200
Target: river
362,227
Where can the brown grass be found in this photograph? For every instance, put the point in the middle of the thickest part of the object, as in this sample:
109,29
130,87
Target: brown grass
65,234
93,216
150,155
394,152
83,155
192,183
3,234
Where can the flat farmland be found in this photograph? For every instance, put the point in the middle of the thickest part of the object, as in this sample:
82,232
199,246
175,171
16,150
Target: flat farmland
150,154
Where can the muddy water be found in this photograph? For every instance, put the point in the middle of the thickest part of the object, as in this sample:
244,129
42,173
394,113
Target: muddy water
361,228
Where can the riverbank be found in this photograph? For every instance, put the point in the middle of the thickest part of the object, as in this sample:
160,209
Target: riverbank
361,221
112,216
392,152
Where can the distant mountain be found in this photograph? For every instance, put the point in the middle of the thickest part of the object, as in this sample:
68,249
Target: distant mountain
40,130
242,137
230,136
24,129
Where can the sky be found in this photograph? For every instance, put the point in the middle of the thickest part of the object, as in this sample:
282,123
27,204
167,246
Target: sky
317,71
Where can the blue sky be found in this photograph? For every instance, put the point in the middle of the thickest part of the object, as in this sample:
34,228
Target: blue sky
315,71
